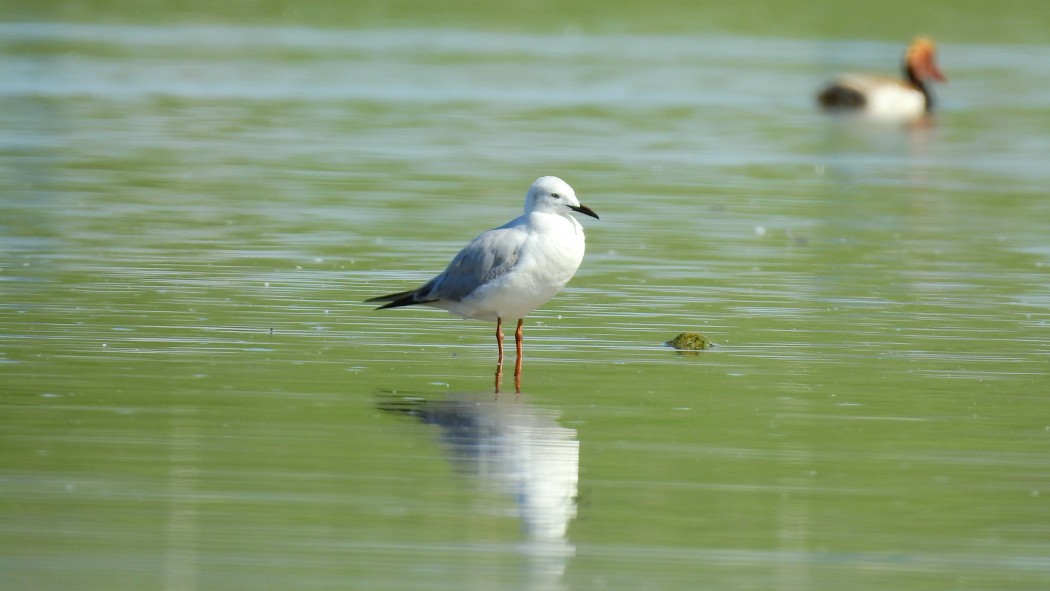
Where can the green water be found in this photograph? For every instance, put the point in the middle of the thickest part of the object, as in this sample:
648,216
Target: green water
194,396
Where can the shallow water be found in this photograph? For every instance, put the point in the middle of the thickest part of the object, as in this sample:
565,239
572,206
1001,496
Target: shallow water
197,398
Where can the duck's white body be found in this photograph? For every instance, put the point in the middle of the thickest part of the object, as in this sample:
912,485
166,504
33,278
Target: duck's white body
886,98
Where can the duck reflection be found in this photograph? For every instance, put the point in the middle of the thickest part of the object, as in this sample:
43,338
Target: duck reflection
524,452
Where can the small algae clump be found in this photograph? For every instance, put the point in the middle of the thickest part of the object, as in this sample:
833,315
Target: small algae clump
690,341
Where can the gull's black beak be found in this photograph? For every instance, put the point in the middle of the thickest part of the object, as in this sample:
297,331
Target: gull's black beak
584,210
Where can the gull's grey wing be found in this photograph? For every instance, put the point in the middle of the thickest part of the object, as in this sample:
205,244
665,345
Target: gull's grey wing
488,257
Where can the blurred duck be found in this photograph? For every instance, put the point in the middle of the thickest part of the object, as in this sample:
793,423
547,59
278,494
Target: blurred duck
885,97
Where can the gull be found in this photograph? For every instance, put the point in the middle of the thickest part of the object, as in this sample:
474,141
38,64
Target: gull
509,271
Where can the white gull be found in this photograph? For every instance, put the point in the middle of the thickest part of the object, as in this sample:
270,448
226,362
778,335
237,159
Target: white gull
509,271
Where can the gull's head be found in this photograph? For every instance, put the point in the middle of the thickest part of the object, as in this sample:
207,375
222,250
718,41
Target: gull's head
550,194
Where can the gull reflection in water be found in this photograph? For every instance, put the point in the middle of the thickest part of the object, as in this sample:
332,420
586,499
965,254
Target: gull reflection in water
524,452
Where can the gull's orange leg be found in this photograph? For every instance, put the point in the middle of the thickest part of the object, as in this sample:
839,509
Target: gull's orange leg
517,348
499,347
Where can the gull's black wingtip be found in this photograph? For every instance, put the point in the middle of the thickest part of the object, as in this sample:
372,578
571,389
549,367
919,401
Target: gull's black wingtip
397,300
396,304
392,299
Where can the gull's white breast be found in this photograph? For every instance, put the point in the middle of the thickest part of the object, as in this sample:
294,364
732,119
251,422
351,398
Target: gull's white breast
548,257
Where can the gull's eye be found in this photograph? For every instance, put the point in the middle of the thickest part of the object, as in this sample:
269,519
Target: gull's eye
555,196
